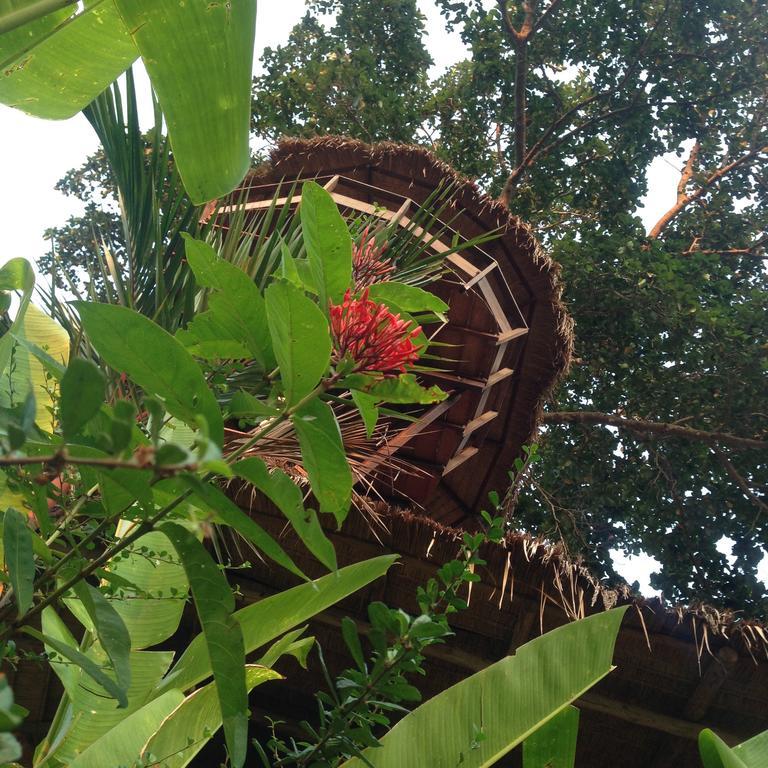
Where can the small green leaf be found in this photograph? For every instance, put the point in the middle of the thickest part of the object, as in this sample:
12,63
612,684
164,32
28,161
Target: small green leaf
300,339
82,661
352,639
404,389
215,603
18,552
715,753
286,495
235,324
82,393
328,243
366,405
407,297
154,359
245,406
324,458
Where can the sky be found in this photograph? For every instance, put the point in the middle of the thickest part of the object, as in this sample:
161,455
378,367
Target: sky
35,154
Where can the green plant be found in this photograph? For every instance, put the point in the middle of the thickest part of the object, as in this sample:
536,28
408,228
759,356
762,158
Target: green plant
715,753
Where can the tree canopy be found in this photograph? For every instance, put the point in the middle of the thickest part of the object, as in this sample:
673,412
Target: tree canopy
657,441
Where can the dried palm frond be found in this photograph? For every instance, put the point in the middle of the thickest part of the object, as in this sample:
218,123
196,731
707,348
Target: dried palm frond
280,449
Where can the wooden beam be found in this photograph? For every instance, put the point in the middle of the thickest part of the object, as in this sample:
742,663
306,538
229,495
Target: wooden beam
646,718
514,333
479,422
459,459
710,683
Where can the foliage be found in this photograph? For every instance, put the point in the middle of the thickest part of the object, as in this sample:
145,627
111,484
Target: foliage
57,59
363,76
715,753
560,107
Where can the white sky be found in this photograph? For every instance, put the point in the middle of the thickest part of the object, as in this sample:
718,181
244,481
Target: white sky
35,154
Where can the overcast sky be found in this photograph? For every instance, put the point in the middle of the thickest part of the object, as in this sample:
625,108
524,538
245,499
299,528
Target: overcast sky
34,154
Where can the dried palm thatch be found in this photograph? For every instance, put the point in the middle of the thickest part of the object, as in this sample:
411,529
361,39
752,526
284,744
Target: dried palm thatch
508,338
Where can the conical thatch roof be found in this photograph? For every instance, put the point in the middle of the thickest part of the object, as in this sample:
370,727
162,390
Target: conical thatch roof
507,322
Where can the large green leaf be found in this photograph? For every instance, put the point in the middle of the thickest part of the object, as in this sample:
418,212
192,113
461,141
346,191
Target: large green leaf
131,343
199,56
90,713
152,607
237,315
182,735
300,339
122,744
228,513
66,67
287,496
19,558
15,275
715,753
30,374
554,744
215,604
88,666
266,620
328,243
324,458
477,721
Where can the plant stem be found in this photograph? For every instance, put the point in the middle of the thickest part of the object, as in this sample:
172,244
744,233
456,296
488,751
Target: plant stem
32,12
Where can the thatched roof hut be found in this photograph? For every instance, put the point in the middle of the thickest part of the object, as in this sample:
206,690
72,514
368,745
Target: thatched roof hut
508,336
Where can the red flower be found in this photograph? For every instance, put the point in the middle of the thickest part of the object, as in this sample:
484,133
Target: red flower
367,265
371,336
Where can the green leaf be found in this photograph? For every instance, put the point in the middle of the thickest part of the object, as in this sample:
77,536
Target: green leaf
300,339
291,644
67,67
199,56
324,458
245,406
84,662
82,393
54,627
477,721
554,744
352,639
228,513
235,324
133,344
182,735
215,603
18,553
122,744
110,629
407,297
271,617
400,389
715,753
328,243
286,495
366,405
90,713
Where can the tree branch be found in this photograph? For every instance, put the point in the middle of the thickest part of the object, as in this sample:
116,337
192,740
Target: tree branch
663,429
737,478
683,200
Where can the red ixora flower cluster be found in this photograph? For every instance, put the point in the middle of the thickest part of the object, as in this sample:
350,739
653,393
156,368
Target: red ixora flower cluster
370,335
368,266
